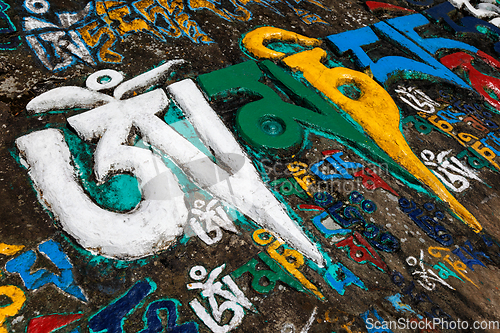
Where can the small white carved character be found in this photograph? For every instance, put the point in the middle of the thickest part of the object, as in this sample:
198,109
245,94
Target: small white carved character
235,300
417,99
427,278
210,219
456,172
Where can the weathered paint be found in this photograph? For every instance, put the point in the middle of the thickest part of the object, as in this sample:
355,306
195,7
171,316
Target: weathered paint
290,259
457,130
115,236
430,223
154,324
111,318
94,32
254,41
49,323
398,304
477,79
10,250
484,9
382,127
470,24
23,263
317,114
361,252
17,297
250,195
14,41
379,325
274,274
377,5
409,24
339,277
457,265
234,299
389,68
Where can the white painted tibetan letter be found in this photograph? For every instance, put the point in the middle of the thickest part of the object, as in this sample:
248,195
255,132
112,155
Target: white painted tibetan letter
150,227
232,178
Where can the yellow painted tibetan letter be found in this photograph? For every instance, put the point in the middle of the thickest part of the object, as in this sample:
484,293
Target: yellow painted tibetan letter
379,116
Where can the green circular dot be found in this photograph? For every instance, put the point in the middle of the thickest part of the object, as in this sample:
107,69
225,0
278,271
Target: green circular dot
272,127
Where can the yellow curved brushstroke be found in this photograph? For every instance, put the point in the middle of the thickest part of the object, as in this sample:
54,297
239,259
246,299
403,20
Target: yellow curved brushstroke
10,250
379,116
18,299
255,39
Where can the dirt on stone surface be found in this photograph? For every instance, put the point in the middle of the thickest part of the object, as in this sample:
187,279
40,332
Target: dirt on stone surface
242,190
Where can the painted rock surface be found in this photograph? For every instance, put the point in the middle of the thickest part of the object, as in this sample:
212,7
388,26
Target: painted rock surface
242,166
